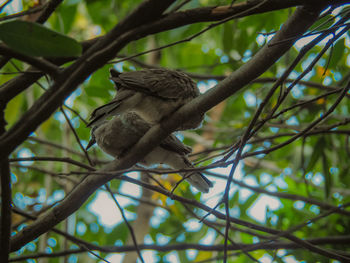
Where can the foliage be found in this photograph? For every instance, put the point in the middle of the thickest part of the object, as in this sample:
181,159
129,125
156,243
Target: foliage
280,184
39,41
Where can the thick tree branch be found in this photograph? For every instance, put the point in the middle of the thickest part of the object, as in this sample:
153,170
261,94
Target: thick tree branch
50,7
6,199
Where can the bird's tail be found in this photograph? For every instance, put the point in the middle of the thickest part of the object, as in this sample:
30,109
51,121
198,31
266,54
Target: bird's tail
199,181
195,178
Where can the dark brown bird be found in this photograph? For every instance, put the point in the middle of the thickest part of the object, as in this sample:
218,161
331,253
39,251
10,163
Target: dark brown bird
152,93
116,136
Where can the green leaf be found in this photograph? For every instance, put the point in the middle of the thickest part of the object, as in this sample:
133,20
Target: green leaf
99,84
338,52
13,109
328,182
248,203
119,232
130,208
97,91
318,149
36,40
228,37
233,202
64,17
323,23
103,13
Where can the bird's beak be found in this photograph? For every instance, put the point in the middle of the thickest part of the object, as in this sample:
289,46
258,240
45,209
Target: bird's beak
88,125
91,142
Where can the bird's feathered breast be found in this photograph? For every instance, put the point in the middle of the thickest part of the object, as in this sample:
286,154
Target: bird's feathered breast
140,127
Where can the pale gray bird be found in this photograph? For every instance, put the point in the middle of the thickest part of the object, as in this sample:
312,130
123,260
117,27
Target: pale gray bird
116,136
152,93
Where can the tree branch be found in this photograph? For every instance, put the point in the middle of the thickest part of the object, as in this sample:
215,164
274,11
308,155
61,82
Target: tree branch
23,13
331,240
54,159
6,199
38,63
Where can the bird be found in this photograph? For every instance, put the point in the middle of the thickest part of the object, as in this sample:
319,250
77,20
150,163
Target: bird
151,93
116,136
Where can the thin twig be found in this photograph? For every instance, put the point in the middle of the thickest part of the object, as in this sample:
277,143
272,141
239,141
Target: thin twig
54,159
44,171
4,5
39,63
206,222
188,39
77,137
81,243
180,5
307,129
23,13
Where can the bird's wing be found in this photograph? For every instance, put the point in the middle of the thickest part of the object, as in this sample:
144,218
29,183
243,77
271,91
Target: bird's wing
100,113
199,181
163,83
